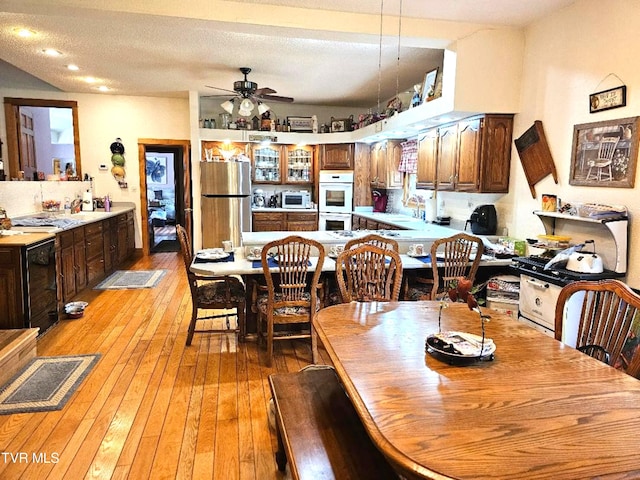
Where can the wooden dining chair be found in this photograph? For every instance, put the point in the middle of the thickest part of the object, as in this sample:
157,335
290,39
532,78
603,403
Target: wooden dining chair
291,291
451,258
373,239
211,293
363,274
607,324
332,291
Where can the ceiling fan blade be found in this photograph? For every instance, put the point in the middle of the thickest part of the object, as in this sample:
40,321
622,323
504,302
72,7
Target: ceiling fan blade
275,98
223,89
264,91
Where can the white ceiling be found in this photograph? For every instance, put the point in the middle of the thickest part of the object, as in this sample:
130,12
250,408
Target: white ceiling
331,54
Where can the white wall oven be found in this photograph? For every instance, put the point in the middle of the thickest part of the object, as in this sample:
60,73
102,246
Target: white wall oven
334,221
335,192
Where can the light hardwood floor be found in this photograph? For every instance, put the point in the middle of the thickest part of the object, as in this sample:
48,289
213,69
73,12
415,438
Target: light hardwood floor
152,408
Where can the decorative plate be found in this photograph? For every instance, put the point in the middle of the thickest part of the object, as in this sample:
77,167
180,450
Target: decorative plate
212,254
417,255
253,258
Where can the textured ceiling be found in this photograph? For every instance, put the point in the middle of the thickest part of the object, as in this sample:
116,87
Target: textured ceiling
332,55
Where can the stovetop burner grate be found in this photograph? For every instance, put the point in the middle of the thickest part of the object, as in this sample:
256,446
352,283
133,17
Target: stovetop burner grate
534,266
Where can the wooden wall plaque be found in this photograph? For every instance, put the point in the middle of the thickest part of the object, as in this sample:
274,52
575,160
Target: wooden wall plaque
535,156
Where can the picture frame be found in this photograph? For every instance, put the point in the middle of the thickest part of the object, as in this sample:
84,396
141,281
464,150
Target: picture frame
429,85
156,169
341,124
604,154
300,124
608,99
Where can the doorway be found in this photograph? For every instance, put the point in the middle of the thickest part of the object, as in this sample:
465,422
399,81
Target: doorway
165,193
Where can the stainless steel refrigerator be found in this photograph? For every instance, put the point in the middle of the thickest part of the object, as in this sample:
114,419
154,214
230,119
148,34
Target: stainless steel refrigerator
226,202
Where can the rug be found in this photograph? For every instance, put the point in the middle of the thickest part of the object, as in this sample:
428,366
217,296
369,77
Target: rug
121,279
45,384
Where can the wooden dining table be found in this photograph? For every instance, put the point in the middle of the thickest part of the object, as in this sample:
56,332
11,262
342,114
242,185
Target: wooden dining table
538,410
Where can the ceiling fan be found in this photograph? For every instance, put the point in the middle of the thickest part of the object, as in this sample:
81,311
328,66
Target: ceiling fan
248,93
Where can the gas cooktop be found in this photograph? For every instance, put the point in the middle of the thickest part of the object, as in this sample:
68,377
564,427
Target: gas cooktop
534,266
362,233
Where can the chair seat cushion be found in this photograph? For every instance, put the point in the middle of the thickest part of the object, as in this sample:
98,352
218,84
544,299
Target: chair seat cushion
216,292
284,311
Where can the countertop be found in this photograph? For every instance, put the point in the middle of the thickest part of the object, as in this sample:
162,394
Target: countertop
416,231
34,234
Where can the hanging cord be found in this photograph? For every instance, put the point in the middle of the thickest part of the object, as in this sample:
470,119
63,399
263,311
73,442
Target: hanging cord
398,59
610,75
380,54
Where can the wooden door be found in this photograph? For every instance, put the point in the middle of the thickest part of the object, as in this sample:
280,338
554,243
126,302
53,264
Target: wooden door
393,177
495,160
447,157
427,159
336,156
27,143
468,172
80,258
378,157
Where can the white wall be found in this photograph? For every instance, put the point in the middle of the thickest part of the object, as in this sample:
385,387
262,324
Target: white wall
568,56
102,118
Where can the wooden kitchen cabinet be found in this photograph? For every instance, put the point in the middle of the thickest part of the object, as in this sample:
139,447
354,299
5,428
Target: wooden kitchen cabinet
282,164
285,221
447,157
336,156
11,293
72,262
385,160
109,243
472,155
302,221
220,150
269,221
267,165
94,250
427,159
299,161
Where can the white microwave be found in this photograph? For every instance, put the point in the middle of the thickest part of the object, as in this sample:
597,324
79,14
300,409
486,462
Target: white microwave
291,199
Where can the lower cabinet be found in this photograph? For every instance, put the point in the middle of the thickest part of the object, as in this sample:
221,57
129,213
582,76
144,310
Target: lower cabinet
28,285
285,221
363,223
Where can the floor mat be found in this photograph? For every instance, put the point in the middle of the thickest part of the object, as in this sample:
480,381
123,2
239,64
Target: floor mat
122,279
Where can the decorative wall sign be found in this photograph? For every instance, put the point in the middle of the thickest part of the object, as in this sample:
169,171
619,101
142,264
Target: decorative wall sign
608,99
604,154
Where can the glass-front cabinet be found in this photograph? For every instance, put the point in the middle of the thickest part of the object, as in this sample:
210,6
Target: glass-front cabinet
267,165
282,164
299,163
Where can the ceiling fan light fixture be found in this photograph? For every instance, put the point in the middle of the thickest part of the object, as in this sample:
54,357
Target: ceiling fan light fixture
228,105
263,108
246,105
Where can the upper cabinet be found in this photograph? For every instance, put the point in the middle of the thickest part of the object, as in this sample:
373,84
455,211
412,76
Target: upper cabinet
282,164
427,159
472,155
336,156
267,163
299,161
385,160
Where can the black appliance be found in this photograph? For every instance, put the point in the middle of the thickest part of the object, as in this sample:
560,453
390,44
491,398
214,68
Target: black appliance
484,220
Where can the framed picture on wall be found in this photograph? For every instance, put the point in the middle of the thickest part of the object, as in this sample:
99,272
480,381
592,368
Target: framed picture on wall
157,170
604,154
